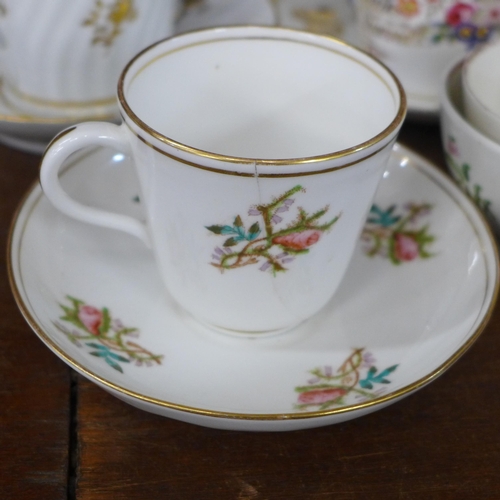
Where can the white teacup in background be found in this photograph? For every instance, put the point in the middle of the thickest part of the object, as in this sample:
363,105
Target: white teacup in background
199,14
481,89
256,172
63,58
327,17
418,39
472,157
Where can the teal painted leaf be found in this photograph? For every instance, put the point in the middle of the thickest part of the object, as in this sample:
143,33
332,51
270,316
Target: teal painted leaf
97,346
118,357
373,378
254,231
114,365
383,217
228,230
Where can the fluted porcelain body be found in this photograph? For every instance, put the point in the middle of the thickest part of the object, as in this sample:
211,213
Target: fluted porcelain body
63,58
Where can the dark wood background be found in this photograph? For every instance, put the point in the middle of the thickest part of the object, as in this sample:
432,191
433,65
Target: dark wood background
61,437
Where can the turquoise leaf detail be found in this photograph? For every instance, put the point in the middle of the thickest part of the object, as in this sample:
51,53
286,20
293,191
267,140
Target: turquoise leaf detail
228,230
373,378
110,357
383,218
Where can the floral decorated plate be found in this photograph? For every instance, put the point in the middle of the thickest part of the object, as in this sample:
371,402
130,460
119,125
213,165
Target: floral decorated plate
420,289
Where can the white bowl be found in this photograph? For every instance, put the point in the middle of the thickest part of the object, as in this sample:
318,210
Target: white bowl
481,95
472,158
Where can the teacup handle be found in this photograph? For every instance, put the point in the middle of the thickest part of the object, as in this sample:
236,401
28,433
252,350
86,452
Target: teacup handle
74,139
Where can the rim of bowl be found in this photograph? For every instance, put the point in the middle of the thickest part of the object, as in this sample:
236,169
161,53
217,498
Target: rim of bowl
466,63
450,106
385,133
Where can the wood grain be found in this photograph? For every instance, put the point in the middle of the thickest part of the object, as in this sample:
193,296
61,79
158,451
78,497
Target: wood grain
34,385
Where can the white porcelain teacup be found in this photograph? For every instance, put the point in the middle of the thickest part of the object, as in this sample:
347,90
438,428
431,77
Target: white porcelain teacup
258,152
63,59
473,158
418,39
481,89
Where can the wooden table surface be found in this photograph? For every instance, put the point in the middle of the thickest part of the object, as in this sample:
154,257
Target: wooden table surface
61,437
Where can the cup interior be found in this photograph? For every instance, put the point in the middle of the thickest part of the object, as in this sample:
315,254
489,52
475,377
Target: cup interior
261,93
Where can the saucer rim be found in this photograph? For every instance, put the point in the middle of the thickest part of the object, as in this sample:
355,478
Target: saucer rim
18,118
435,175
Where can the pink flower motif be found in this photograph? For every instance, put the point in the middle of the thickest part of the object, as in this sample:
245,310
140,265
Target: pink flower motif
298,241
495,14
460,13
452,147
320,396
406,247
91,317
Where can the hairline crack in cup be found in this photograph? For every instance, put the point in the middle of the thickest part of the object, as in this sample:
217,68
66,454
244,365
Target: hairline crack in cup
255,188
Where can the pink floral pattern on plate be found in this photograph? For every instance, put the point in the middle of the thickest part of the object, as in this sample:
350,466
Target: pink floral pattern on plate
106,337
397,234
357,376
469,22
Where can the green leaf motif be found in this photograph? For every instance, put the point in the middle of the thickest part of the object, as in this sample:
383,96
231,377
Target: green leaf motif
215,229
106,321
98,354
254,231
231,242
238,222
109,341
462,174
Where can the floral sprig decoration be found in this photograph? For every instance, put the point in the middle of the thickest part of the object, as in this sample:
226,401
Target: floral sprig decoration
398,235
106,337
461,172
469,22
271,244
107,20
329,388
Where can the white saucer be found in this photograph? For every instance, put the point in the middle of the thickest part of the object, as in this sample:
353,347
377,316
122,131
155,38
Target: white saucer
401,317
32,134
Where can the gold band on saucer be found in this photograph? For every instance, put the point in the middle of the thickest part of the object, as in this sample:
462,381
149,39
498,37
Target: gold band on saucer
50,103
